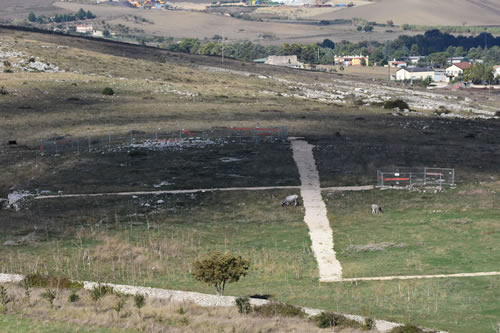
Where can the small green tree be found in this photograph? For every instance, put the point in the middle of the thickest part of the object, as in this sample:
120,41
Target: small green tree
243,305
218,269
32,17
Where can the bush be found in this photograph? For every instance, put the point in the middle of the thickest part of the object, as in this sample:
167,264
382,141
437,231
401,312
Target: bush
108,91
398,103
369,324
4,297
273,309
50,296
47,281
408,328
243,305
73,297
330,319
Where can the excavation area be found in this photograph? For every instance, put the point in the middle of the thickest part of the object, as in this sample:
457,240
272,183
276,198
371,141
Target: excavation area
65,143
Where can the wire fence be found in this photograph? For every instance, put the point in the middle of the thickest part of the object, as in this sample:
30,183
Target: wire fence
404,177
163,139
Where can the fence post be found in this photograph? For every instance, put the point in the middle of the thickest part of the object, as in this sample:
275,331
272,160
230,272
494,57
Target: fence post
453,177
425,176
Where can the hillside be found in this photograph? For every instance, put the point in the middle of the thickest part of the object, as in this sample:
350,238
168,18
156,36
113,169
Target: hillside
425,12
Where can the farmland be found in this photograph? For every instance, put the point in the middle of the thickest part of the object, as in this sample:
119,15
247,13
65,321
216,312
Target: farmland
152,240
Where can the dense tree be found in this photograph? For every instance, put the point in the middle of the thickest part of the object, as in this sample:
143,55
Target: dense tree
32,17
218,269
478,73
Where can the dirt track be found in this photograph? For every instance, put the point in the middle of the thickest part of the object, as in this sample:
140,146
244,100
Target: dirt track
315,216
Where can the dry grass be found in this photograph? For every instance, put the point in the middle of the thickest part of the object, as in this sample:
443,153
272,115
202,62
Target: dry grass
155,316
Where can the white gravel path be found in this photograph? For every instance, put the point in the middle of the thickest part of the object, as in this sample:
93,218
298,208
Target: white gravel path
411,277
257,188
315,216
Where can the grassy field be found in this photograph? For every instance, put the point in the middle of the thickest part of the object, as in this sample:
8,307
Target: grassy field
153,240
419,233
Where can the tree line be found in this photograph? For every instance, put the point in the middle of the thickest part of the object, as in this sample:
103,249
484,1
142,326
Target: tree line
59,18
435,46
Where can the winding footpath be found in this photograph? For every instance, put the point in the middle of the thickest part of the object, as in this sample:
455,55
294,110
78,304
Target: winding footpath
315,216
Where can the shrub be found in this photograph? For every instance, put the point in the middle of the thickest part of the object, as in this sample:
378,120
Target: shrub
369,324
120,303
99,292
408,328
330,319
139,301
73,297
243,305
272,309
47,281
397,103
4,297
219,269
49,295
108,91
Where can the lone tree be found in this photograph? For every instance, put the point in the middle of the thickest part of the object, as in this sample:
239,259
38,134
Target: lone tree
218,269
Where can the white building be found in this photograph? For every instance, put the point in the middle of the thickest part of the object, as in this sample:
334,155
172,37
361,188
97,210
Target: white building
287,61
496,71
457,70
415,73
84,28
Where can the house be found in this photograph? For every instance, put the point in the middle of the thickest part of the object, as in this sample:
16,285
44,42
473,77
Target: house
356,60
286,61
496,71
440,76
414,59
415,73
84,28
97,33
457,70
397,64
456,60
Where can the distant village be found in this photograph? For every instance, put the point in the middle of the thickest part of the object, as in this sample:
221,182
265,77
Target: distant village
402,70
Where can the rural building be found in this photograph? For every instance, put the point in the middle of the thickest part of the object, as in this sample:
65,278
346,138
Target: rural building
414,73
456,60
84,28
357,60
286,61
414,59
440,76
457,70
496,71
97,33
397,63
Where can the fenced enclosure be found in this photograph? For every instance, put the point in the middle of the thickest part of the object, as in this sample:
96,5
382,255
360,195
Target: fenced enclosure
157,139
403,177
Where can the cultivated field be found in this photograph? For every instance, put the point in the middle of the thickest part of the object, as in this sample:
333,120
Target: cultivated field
152,240
424,12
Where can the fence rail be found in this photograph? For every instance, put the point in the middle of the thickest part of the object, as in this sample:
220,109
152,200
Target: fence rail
408,177
159,139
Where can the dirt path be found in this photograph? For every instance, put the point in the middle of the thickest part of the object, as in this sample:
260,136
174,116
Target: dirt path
409,277
261,188
315,216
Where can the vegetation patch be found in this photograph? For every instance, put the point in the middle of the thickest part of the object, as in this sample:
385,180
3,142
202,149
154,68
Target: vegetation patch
48,281
396,104
273,309
331,319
